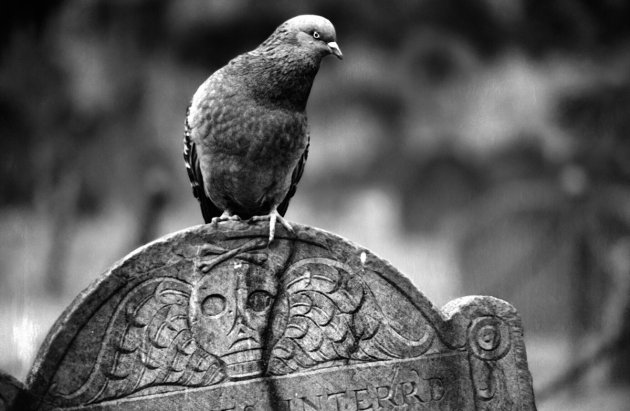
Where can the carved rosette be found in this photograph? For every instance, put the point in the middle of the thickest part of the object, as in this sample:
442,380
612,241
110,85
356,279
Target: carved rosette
489,338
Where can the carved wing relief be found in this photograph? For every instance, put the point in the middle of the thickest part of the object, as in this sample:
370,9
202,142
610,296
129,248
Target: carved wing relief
209,306
332,318
197,329
238,312
149,342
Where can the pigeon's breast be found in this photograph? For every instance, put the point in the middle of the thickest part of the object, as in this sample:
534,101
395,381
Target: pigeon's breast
263,136
247,150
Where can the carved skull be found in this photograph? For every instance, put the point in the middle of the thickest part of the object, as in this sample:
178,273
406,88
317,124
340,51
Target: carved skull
230,309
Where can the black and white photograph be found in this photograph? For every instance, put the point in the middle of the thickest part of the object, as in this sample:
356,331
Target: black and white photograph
307,205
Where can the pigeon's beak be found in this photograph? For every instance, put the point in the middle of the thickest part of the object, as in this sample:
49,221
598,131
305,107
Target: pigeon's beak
334,49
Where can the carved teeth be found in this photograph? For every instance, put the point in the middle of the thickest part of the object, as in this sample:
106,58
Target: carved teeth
244,363
243,356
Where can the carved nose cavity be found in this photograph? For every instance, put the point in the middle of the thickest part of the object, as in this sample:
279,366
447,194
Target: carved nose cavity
244,357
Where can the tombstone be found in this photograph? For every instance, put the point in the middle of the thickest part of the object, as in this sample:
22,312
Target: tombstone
214,318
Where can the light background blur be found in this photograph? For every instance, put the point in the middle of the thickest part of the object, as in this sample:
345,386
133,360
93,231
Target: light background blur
481,146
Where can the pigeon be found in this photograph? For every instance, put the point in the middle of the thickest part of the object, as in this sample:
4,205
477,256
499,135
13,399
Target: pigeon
246,139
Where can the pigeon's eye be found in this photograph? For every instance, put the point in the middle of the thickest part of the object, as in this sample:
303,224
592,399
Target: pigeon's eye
316,35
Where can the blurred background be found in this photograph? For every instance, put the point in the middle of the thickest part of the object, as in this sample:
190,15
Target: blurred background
481,146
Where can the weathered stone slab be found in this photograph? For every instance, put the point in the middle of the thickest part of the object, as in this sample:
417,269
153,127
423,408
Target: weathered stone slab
215,318
422,383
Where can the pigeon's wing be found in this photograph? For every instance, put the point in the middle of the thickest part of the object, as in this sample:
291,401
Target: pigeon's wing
295,179
208,209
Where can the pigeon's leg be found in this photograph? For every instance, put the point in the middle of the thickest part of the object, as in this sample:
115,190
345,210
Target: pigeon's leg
273,216
226,216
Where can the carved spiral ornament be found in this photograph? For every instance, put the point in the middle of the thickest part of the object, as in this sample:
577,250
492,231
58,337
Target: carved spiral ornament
489,338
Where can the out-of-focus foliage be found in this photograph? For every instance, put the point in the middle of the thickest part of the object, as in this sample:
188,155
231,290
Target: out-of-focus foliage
74,70
495,131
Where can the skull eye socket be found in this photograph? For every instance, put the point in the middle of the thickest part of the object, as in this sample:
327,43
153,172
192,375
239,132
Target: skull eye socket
259,301
316,35
213,305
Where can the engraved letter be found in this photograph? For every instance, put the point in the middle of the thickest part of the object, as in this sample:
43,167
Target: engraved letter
336,396
385,393
410,389
311,405
362,399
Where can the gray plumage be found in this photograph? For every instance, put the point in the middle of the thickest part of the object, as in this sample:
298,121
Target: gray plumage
246,139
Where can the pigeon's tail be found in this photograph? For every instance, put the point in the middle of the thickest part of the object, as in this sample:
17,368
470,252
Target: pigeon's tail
208,209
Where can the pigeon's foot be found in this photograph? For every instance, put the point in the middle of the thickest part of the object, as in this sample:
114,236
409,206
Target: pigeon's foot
226,216
273,216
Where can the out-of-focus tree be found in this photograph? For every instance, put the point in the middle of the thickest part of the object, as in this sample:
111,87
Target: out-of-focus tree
566,222
60,131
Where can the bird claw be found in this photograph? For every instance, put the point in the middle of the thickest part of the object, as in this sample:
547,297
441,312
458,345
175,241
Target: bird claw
286,224
226,216
273,217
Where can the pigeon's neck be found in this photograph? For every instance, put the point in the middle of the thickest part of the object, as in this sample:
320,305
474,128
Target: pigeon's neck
280,77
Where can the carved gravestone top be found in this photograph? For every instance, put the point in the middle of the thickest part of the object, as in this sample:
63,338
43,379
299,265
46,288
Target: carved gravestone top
216,319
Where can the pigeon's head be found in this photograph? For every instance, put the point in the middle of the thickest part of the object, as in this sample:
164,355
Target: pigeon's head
313,34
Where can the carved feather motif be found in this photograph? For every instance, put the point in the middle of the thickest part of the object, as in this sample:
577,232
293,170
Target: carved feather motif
156,346
334,319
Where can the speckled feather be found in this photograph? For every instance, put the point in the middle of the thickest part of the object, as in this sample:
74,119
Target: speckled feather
246,139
